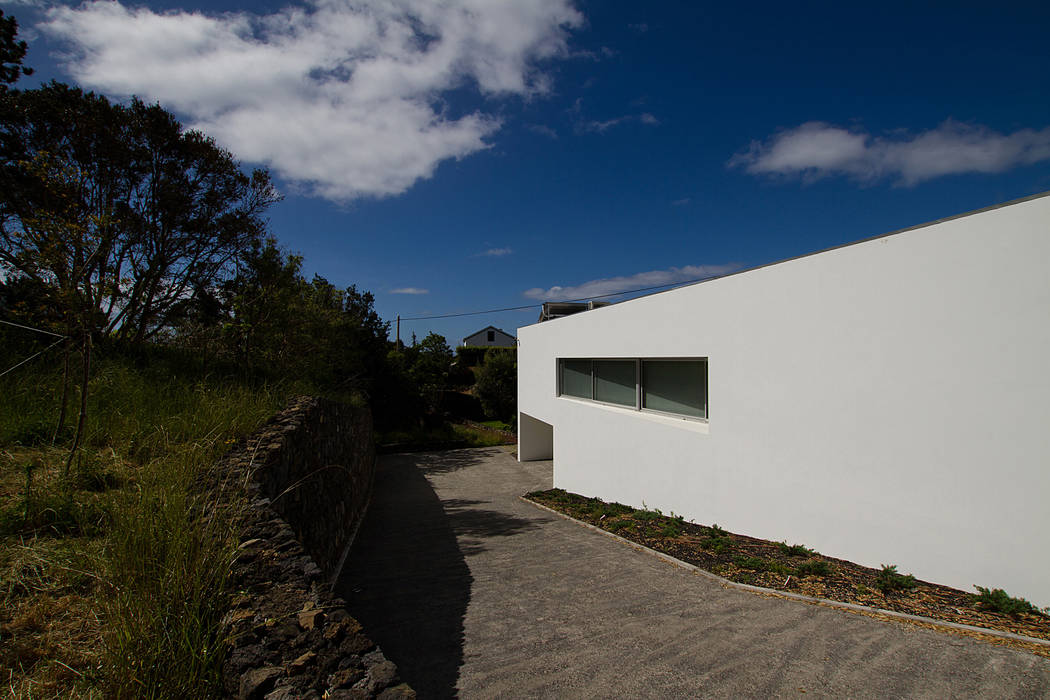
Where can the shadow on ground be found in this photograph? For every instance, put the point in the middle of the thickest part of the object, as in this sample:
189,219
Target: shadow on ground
451,460
472,524
406,580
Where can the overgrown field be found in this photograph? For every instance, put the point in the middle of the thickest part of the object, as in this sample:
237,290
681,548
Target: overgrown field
111,580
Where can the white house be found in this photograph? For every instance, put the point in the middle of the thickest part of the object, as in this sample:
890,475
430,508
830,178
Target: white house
490,337
886,401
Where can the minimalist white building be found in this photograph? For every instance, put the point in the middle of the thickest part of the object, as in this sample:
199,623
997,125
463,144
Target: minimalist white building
886,401
490,337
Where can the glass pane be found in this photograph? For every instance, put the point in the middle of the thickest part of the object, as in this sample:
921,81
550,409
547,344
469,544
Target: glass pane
614,381
675,387
576,378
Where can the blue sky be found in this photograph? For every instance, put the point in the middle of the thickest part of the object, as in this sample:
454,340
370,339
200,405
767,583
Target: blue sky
471,154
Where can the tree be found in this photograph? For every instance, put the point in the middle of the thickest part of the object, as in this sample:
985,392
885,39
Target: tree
431,360
497,385
12,52
160,212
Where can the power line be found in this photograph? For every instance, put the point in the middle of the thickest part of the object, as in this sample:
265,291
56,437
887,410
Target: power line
28,328
568,301
12,369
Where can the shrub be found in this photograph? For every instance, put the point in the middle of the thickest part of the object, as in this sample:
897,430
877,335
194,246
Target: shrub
813,567
753,563
670,529
647,514
497,385
795,550
718,545
890,580
999,601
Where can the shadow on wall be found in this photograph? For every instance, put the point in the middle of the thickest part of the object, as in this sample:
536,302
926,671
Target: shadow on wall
407,581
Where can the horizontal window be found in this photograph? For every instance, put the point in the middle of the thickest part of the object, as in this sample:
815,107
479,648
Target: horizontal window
677,387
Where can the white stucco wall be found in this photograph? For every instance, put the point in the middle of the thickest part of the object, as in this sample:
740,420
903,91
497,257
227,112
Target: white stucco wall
884,402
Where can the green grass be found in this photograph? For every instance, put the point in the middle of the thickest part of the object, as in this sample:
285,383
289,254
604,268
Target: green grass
125,547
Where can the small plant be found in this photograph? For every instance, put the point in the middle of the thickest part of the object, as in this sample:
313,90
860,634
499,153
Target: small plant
795,550
777,568
617,525
889,579
647,513
862,589
753,563
670,529
718,545
717,531
813,567
999,601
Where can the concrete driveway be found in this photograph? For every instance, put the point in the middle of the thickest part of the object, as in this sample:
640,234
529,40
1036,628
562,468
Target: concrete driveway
474,593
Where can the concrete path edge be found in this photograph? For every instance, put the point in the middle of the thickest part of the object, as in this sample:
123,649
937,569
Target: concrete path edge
796,596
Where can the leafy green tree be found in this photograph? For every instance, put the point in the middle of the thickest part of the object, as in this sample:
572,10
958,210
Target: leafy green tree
160,211
497,385
432,359
12,52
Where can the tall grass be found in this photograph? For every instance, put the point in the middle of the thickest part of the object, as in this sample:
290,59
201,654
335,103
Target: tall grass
153,436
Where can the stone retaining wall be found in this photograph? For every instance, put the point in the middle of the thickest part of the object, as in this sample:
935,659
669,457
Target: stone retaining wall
308,474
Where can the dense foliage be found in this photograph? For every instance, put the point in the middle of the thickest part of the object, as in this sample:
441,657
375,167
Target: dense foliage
497,385
142,249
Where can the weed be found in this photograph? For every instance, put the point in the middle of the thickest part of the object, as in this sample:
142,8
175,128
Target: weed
617,525
777,568
862,589
670,529
753,563
151,591
999,601
646,513
813,567
890,580
716,531
718,545
795,550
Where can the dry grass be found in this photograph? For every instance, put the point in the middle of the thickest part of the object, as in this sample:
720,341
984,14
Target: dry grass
111,583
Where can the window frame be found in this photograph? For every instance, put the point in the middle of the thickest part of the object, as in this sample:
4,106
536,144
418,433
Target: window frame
638,384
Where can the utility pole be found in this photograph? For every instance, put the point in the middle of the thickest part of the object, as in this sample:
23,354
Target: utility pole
398,345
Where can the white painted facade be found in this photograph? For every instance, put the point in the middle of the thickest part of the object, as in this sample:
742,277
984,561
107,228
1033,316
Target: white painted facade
490,337
886,402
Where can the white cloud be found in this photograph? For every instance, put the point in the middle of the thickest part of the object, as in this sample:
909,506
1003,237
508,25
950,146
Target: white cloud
598,126
494,252
409,290
815,150
342,98
543,130
612,285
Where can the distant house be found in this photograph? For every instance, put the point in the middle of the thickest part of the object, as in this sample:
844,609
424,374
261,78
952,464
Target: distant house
490,337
